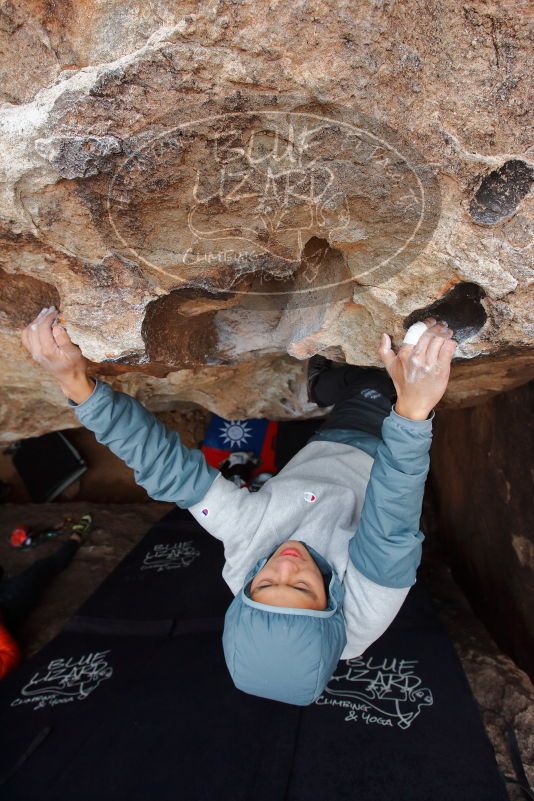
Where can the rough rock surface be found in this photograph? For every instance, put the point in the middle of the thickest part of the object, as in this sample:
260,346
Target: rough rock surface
503,692
214,191
483,483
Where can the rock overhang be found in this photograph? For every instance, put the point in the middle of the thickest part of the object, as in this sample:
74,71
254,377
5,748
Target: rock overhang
194,207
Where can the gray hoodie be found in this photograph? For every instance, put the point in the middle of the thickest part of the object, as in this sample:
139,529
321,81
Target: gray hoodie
355,499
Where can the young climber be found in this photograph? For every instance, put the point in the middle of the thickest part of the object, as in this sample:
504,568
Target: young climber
20,593
321,558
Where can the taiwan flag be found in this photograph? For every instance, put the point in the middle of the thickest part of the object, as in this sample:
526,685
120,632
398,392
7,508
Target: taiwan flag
224,437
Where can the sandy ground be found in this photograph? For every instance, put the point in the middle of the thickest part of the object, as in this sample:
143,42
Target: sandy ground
504,693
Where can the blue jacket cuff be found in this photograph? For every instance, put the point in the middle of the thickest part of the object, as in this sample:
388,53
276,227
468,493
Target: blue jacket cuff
413,425
99,389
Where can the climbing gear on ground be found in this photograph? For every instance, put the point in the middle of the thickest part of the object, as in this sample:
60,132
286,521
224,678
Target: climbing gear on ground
24,537
81,527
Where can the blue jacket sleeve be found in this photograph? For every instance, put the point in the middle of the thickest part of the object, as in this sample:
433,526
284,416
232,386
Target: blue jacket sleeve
387,546
162,465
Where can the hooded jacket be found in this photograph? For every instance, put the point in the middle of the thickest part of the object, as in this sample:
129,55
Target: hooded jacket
353,499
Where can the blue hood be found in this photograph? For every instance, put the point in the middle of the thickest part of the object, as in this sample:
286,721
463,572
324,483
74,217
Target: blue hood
280,653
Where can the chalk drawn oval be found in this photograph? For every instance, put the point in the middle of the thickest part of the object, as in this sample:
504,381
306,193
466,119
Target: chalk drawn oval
283,208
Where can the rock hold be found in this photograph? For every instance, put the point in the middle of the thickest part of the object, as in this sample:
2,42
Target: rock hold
78,156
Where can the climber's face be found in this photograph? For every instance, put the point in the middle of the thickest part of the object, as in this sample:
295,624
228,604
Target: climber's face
290,578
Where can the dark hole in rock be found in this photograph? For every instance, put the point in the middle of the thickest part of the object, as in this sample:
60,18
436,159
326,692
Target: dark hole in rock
501,191
22,297
461,308
322,276
176,339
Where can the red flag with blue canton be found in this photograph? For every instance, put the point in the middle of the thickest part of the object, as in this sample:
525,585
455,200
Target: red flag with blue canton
224,437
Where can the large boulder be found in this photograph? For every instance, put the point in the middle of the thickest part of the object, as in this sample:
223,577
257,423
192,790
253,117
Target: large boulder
214,193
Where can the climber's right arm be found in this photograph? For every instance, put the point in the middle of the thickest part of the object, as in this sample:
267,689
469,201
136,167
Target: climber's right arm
162,465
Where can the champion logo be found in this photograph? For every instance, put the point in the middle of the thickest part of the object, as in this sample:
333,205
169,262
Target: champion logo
205,512
310,497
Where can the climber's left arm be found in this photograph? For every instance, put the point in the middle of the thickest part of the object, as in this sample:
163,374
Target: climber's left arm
387,545
385,551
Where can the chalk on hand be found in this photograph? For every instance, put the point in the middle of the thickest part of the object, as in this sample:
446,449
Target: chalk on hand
414,333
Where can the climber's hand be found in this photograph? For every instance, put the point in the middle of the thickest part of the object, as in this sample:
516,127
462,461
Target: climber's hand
420,372
50,346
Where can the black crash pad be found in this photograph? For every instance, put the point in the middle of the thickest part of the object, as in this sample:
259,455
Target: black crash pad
174,572
132,701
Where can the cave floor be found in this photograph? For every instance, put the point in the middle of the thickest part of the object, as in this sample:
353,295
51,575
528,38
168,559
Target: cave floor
504,693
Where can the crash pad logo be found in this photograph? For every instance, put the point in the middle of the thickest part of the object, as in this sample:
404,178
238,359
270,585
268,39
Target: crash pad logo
384,692
170,557
66,680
